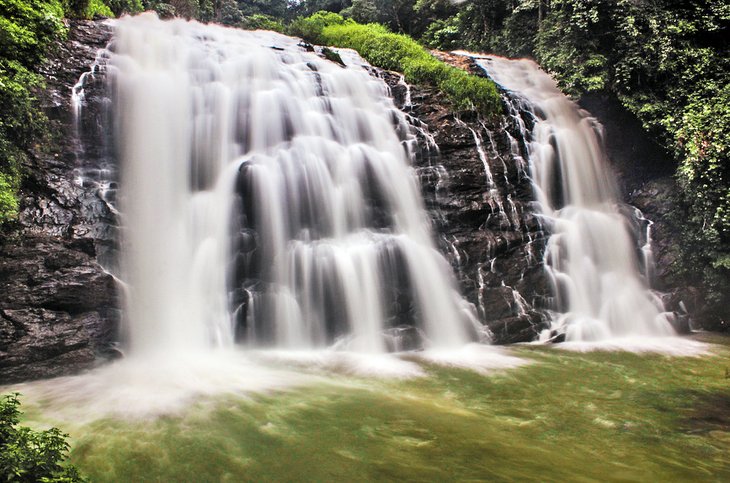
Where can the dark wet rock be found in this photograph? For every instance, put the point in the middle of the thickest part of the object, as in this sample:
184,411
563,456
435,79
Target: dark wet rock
682,294
634,155
645,173
58,306
521,328
556,336
404,338
332,56
490,234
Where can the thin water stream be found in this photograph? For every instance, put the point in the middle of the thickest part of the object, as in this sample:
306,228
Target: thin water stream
601,291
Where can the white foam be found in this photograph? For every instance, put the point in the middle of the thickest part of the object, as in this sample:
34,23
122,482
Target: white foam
480,358
671,346
148,388
389,366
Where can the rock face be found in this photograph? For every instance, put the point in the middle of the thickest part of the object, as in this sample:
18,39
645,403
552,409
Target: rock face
476,187
58,310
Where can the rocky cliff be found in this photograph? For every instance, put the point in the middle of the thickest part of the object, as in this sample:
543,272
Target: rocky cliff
58,306
476,187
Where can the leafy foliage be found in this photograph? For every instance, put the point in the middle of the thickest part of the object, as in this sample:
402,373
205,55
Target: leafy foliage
310,28
668,63
443,34
399,52
27,28
119,7
97,7
262,22
31,456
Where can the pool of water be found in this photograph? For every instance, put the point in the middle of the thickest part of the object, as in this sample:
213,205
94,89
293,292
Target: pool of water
564,415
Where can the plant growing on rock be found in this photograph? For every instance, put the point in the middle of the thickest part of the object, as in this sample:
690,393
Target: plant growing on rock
387,50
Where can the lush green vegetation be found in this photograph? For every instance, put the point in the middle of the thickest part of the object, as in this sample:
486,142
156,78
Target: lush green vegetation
27,28
385,49
31,456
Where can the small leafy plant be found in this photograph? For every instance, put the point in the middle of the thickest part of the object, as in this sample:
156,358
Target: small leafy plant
27,455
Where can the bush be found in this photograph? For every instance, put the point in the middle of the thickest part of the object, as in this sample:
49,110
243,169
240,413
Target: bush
119,7
31,456
98,7
443,34
425,71
8,200
401,53
471,92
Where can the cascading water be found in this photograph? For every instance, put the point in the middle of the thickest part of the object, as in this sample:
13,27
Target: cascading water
592,256
267,198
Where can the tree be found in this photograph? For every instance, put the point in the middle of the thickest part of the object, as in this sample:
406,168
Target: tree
362,11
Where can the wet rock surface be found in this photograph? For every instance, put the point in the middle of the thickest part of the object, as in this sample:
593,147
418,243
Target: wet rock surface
657,199
58,310
484,221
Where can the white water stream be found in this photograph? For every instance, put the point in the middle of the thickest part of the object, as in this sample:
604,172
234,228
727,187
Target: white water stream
592,255
255,171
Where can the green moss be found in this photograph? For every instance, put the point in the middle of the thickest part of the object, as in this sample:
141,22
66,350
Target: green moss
8,198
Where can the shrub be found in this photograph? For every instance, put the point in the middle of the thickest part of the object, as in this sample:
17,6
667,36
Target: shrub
398,52
98,7
8,200
31,456
119,7
443,34
425,71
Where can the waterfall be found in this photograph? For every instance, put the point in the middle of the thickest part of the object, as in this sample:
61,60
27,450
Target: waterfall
267,199
592,255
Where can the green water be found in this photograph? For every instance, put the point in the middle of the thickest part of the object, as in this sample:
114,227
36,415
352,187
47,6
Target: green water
566,417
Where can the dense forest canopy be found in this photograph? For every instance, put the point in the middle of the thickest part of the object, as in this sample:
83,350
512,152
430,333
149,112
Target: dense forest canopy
666,61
